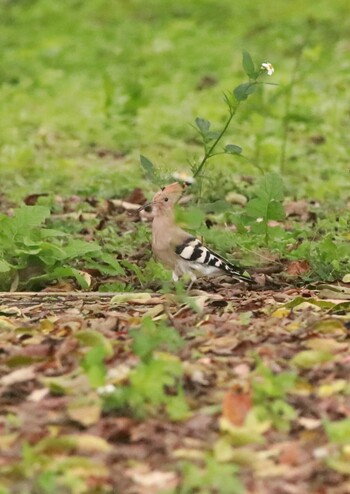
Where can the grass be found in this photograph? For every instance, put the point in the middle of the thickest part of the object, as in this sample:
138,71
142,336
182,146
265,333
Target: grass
82,80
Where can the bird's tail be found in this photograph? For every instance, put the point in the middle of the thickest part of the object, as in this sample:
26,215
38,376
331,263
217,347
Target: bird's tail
237,273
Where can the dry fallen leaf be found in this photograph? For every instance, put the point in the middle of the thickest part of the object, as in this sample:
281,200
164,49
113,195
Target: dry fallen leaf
298,268
297,208
152,480
236,406
18,376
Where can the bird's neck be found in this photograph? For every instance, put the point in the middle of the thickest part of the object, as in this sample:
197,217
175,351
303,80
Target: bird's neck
162,223
167,219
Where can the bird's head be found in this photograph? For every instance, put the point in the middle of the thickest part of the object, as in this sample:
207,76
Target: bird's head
164,201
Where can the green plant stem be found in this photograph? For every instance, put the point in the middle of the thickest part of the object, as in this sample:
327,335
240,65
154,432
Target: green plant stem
208,154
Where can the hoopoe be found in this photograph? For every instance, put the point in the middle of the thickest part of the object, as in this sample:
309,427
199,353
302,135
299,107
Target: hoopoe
178,250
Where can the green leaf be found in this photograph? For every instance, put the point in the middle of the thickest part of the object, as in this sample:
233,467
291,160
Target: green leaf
5,267
96,375
149,379
177,407
152,336
242,91
28,217
271,187
79,248
213,476
307,359
47,482
248,65
59,274
135,269
268,203
338,432
93,364
268,385
93,338
106,264
233,149
191,218
149,169
211,135
203,125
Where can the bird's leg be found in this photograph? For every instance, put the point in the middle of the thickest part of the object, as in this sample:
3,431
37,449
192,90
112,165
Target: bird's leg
193,279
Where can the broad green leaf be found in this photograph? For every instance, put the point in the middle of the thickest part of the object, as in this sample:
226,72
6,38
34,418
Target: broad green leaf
50,253
272,210
211,135
109,265
233,149
203,125
271,187
268,201
248,65
49,233
191,218
149,168
71,273
28,217
79,248
242,91
59,274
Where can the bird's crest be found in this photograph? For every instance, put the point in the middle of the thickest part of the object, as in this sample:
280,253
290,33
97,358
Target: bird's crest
174,188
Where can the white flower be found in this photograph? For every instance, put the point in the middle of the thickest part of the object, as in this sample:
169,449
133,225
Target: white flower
268,67
259,220
183,177
107,389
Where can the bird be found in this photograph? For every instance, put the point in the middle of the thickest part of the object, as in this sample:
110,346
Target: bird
180,251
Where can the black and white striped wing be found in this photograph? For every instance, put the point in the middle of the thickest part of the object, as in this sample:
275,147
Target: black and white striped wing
207,261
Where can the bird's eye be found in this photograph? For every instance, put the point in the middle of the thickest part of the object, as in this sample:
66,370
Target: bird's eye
166,199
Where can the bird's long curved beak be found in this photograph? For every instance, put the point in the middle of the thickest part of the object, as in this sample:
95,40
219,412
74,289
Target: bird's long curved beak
147,205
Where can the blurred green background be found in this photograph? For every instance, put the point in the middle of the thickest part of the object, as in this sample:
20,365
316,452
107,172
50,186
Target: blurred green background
86,86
